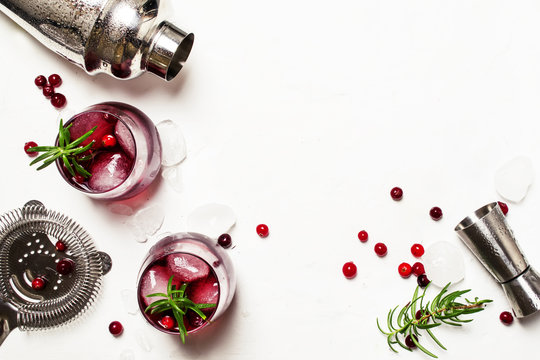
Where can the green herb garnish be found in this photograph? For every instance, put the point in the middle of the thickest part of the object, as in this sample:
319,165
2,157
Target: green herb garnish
66,150
176,301
443,309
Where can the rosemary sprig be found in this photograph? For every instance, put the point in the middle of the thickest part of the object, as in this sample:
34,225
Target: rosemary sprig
66,150
443,309
176,301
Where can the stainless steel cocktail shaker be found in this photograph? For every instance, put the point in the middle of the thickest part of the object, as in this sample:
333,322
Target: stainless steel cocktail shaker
491,240
122,38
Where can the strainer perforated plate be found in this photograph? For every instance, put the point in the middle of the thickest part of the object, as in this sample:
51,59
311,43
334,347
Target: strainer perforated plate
27,250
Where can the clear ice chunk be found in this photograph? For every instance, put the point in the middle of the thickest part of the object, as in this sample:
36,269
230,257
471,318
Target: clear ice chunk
109,169
120,209
444,263
211,219
205,291
129,301
187,268
146,222
142,340
172,176
125,139
173,144
513,179
127,354
155,280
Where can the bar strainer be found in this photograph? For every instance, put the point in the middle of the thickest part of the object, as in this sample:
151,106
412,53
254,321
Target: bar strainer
27,250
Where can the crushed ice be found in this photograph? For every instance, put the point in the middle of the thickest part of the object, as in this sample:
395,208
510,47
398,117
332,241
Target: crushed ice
173,144
211,219
513,179
146,222
444,263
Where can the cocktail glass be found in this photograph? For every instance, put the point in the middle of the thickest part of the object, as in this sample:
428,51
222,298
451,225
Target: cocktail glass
125,169
189,258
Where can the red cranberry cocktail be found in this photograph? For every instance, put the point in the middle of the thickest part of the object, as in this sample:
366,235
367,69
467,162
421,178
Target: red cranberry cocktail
196,269
125,157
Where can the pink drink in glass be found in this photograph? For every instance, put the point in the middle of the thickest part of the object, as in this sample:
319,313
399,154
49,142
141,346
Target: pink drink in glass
190,258
125,169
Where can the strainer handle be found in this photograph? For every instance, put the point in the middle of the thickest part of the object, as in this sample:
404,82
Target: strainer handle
8,320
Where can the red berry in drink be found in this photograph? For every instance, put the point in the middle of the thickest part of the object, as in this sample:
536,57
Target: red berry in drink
404,270
78,178
64,266
40,81
418,269
409,341
380,249
349,270
417,250
58,100
108,141
396,193
422,280
55,80
167,322
262,230
48,91
38,283
29,145
435,213
506,317
60,246
224,240
363,236
116,328
504,207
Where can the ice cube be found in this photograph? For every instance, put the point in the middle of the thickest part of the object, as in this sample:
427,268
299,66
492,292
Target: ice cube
444,263
109,169
147,222
211,219
85,122
125,139
187,268
205,291
173,145
129,301
143,340
513,179
155,280
120,209
172,176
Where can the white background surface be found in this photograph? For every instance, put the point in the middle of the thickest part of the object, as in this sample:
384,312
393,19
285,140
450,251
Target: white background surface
303,115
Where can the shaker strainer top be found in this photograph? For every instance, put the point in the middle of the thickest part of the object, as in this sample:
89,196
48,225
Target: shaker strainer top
27,250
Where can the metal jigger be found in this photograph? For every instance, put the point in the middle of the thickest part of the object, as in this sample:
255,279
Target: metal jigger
491,240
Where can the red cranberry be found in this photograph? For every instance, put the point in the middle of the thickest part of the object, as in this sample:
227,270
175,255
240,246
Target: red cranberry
38,283
194,319
29,145
116,328
262,230
435,213
224,240
349,270
506,317
417,250
78,178
60,246
396,193
108,141
58,100
409,341
40,81
418,269
167,322
418,315
363,236
380,249
48,91
504,207
404,270
64,266
422,280
55,80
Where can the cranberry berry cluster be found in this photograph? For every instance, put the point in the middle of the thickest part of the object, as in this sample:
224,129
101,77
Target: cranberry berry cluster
48,86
